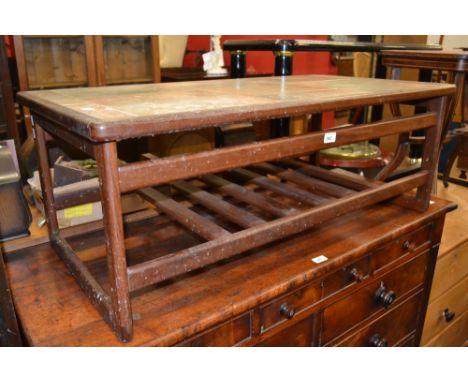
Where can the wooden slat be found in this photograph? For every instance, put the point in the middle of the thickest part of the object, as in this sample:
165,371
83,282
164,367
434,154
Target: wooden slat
70,232
215,203
199,256
305,181
65,136
85,191
281,188
151,173
100,299
347,180
251,197
196,223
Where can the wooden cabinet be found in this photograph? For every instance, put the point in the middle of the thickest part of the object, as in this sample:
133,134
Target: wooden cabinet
446,319
127,59
68,61
368,307
8,125
55,61
47,62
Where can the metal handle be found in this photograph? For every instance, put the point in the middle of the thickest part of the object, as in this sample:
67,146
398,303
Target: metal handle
356,274
378,341
287,311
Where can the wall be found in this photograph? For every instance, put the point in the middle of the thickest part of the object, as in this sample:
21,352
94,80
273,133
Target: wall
450,41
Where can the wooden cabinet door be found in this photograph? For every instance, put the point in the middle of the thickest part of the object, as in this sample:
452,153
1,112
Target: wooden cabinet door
55,61
127,59
46,62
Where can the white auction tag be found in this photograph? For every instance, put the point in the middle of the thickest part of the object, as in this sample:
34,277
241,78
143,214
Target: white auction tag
319,259
329,137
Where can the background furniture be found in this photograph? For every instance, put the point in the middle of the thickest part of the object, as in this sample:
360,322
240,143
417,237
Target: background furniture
446,317
454,62
127,59
46,62
284,50
8,127
460,154
187,108
9,332
49,62
15,216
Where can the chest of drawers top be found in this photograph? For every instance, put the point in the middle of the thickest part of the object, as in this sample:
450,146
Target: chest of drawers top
179,309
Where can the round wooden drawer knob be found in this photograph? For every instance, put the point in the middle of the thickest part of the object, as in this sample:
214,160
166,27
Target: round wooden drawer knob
287,311
448,315
406,245
378,341
384,296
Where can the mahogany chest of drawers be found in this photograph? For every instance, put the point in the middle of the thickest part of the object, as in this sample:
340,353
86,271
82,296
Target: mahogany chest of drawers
371,291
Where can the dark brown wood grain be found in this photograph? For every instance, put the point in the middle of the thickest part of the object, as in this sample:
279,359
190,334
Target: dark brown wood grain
9,331
184,215
8,115
106,156
104,113
246,195
163,170
402,281
175,264
217,298
308,182
300,195
452,60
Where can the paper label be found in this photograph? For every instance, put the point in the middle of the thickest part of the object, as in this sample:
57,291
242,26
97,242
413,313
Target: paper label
319,259
329,137
78,211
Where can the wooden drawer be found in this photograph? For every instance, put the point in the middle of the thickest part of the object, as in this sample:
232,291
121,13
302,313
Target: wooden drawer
300,334
455,300
408,342
390,329
403,246
456,334
227,334
350,311
450,269
346,277
288,306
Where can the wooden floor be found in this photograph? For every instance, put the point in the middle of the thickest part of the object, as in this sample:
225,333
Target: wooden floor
456,223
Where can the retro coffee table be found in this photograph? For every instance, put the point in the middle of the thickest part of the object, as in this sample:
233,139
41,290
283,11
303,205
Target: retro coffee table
95,119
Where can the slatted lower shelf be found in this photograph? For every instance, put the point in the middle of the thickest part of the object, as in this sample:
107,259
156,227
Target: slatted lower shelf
214,217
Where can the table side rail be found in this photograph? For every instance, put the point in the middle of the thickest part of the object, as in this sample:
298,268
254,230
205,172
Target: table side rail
174,264
155,172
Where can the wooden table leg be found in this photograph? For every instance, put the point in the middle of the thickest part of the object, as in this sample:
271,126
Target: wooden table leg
431,152
46,182
106,157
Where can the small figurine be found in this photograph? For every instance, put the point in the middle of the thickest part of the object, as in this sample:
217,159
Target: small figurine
213,61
